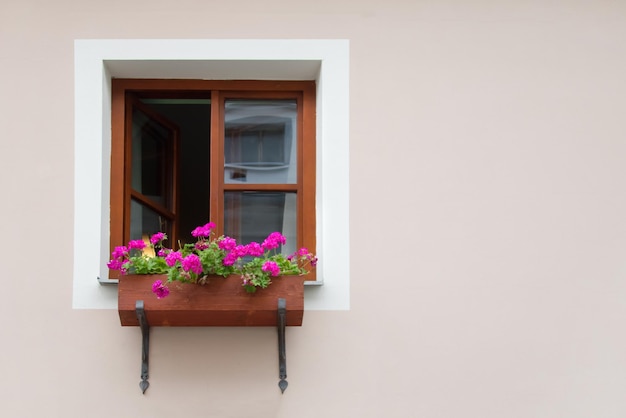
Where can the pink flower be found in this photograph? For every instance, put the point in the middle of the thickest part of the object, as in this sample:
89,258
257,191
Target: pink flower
114,264
159,289
201,245
156,238
137,244
303,254
255,249
192,263
236,253
240,251
274,240
271,267
172,258
163,252
230,259
227,244
120,252
203,231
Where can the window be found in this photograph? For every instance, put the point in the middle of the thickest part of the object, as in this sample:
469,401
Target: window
238,153
99,61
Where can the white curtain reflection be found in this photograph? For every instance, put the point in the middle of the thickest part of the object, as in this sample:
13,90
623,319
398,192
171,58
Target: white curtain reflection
252,216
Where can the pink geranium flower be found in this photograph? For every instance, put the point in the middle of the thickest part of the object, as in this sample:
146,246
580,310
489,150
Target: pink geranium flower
172,258
203,231
271,267
156,238
274,240
201,245
137,244
255,249
229,259
192,263
114,264
159,289
227,244
120,252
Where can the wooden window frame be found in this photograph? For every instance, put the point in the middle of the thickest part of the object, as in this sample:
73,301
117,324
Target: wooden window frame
219,91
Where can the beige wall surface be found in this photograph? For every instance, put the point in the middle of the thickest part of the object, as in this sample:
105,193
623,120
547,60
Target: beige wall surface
487,203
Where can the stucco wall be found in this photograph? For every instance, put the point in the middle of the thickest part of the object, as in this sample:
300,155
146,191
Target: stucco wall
487,167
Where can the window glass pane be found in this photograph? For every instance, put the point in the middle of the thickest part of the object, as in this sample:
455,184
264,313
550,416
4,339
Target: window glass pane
252,216
144,222
192,117
260,138
149,164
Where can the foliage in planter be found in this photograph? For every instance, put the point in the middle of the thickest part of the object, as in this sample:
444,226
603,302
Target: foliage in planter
255,263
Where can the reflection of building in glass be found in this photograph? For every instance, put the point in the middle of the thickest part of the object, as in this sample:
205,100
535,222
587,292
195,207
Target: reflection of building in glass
260,144
260,141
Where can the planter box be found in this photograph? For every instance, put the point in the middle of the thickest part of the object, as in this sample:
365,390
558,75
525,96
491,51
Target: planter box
222,302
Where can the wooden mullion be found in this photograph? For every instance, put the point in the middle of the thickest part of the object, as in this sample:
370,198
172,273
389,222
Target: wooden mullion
146,201
300,172
117,170
138,104
261,94
236,187
128,161
216,162
308,164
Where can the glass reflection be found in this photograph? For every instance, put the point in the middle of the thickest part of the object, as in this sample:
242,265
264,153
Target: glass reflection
260,138
144,222
252,216
149,153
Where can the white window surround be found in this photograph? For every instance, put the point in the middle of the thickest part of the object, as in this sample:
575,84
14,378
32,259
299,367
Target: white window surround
97,61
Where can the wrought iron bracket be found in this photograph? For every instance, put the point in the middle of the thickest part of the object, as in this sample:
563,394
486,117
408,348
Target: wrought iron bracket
282,354
145,344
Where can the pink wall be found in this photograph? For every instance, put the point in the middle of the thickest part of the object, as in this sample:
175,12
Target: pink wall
487,246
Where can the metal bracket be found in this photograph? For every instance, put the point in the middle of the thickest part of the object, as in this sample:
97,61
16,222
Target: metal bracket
282,354
145,345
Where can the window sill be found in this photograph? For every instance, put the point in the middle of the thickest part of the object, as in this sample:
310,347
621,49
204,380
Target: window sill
115,282
108,282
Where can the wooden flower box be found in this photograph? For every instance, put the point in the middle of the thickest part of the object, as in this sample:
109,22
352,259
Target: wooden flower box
221,302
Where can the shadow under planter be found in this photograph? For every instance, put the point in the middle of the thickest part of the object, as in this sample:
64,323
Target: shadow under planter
221,302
